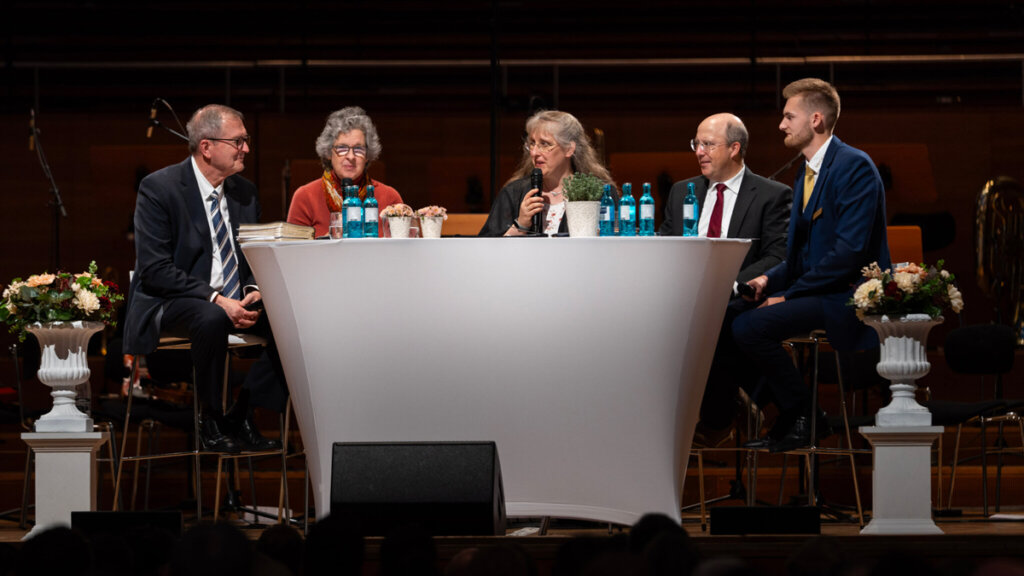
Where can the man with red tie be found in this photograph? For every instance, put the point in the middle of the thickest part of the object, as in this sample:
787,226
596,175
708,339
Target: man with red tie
191,279
733,202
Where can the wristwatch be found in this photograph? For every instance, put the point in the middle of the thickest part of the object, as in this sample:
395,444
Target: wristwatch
515,223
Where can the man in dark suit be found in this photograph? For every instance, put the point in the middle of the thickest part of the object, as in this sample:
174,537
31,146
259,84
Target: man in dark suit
836,228
190,276
733,202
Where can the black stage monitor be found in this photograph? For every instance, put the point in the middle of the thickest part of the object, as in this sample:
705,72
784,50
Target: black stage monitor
449,488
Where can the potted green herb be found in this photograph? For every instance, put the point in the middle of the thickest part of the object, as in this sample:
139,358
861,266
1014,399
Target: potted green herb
583,203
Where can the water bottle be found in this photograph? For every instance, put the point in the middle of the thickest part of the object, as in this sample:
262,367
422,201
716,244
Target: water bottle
691,214
607,224
647,211
370,214
627,211
353,209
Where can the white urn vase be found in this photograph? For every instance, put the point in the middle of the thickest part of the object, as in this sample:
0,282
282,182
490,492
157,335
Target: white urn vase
582,218
903,360
64,366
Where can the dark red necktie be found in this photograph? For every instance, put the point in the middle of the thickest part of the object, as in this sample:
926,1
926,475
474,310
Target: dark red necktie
715,226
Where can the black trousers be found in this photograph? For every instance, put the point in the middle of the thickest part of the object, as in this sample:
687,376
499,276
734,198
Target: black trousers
730,369
207,326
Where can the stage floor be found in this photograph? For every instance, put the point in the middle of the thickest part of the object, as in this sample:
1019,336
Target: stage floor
969,539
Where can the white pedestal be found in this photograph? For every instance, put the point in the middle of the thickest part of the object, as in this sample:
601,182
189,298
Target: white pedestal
65,475
901,480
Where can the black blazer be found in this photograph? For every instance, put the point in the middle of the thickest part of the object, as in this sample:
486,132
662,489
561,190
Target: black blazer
506,208
761,214
174,249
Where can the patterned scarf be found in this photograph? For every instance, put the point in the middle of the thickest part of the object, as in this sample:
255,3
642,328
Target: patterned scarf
335,195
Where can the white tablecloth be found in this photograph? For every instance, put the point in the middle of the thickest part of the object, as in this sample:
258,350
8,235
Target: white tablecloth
583,359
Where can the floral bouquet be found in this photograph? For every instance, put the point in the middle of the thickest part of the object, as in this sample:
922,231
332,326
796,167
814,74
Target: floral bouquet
433,212
60,297
910,289
397,210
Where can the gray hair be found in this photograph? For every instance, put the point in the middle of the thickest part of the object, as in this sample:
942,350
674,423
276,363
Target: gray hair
735,131
342,122
206,123
566,130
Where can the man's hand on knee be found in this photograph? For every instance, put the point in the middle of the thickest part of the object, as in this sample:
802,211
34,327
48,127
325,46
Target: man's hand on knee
235,309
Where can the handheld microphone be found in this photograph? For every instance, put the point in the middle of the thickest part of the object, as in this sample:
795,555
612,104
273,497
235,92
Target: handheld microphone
152,120
31,129
537,181
345,183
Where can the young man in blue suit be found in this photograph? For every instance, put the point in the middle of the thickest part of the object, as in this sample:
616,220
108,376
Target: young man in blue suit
837,226
192,280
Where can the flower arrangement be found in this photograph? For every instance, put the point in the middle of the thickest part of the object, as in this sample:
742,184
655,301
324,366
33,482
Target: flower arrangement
397,210
580,187
910,289
433,212
60,297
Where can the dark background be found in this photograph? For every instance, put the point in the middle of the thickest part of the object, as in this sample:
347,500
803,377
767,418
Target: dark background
933,90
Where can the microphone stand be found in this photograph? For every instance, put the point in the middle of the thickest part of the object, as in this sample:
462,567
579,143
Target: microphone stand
59,211
154,122
786,166
158,124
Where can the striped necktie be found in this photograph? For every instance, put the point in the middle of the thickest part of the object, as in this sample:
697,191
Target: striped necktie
808,185
228,262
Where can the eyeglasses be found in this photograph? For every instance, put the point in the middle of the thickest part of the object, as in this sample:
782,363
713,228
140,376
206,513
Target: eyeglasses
543,147
236,142
707,146
359,151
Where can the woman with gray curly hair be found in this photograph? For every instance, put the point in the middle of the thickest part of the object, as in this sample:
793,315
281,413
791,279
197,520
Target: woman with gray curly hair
557,144
346,146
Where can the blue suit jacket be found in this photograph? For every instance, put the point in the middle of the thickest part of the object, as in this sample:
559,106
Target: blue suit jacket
842,229
174,248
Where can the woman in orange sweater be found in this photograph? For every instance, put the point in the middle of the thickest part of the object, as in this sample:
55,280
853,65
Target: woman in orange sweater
346,147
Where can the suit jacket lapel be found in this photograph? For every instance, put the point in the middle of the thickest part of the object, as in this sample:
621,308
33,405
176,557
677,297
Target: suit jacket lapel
233,208
822,177
196,207
744,198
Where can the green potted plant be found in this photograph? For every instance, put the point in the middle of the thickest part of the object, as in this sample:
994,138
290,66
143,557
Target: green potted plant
583,203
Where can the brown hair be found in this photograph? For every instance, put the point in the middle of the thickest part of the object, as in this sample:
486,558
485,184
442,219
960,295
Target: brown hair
819,96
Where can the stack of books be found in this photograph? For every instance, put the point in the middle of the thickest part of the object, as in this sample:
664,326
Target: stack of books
273,232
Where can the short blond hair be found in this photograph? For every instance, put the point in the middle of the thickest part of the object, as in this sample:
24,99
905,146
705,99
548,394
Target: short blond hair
819,96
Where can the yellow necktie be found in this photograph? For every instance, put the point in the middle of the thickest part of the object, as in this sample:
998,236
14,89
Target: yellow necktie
808,185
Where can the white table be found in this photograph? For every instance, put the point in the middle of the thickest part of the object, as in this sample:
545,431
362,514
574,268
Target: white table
583,359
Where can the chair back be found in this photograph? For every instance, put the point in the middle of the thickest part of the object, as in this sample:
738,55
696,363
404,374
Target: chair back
463,224
905,244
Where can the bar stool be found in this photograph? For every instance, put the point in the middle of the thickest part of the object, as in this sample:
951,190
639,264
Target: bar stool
235,342
816,340
232,460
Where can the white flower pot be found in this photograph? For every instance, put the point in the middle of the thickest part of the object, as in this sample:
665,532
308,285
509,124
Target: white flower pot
399,226
582,218
903,360
63,366
430,226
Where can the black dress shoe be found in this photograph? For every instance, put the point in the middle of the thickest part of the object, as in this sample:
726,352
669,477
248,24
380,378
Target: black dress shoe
251,439
760,443
213,438
799,436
